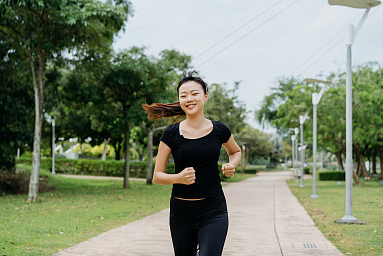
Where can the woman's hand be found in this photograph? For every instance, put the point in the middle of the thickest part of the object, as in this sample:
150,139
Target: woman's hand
187,176
228,169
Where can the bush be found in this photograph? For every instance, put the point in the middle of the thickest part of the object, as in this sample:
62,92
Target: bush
306,170
19,183
331,175
7,158
95,167
250,170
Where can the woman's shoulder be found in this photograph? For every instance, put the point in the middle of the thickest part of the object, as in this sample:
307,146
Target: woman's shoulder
172,128
220,124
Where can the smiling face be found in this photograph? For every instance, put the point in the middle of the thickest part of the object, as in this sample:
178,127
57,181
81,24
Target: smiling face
192,98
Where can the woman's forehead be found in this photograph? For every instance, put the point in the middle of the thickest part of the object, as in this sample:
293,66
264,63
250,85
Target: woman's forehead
190,86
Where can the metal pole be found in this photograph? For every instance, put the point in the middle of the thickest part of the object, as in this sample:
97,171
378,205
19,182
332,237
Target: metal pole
302,153
53,146
292,150
296,155
349,163
314,99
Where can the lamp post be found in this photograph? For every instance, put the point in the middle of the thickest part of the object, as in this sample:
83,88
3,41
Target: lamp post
351,35
53,145
294,142
296,130
302,120
315,100
292,149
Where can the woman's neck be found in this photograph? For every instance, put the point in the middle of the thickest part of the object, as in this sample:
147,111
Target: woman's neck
196,121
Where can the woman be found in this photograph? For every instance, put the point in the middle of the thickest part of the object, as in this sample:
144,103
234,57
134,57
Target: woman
198,212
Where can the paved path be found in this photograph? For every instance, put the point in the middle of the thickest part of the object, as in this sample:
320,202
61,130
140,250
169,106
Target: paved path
265,219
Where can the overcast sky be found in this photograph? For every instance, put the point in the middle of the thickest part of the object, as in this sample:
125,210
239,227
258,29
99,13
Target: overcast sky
268,39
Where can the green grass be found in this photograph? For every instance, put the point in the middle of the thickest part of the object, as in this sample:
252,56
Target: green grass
367,206
75,211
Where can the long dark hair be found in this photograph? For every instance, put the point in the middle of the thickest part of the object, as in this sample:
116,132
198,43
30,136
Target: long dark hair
161,110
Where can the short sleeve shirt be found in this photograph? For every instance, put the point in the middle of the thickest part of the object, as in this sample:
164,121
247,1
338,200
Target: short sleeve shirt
202,154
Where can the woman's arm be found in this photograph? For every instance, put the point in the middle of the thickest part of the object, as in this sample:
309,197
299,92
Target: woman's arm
234,152
187,176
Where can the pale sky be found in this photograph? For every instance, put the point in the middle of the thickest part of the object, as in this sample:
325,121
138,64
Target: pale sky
283,38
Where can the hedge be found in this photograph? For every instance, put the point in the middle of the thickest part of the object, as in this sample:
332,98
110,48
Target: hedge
331,175
95,167
98,167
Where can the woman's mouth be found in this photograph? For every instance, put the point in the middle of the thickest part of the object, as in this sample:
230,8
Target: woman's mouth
191,106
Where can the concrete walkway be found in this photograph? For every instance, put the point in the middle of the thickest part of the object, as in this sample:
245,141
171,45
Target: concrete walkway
265,219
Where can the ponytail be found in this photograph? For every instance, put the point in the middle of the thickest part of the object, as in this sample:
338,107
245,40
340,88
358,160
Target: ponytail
160,110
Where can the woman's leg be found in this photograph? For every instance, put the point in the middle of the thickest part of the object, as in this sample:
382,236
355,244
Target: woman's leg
212,235
182,228
184,240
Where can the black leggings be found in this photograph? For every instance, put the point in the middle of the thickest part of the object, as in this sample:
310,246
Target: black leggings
202,224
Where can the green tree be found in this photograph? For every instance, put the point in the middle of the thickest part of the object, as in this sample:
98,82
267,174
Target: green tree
223,105
43,30
256,144
15,105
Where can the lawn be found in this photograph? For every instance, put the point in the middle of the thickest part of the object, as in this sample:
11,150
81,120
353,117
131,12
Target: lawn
367,206
76,210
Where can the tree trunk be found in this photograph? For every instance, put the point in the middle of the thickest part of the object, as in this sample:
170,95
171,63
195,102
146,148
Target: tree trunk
149,172
356,178
117,148
358,169
361,161
374,163
381,165
39,101
103,157
339,160
127,159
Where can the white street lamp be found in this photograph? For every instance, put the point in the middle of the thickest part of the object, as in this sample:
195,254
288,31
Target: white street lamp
292,149
350,39
294,142
53,145
315,99
302,120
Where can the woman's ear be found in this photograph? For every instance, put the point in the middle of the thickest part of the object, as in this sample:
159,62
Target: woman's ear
206,96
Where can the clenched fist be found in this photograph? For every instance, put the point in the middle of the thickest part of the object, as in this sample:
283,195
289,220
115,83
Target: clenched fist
187,176
228,169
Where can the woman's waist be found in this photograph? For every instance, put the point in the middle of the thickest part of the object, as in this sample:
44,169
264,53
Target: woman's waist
196,192
198,167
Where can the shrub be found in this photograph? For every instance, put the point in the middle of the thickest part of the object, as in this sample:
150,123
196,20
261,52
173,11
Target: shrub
306,170
250,170
95,167
331,175
19,183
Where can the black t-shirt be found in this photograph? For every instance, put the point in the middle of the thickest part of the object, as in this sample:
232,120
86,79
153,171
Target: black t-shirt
202,154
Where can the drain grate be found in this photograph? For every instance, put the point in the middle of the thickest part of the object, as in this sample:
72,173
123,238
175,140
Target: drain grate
310,245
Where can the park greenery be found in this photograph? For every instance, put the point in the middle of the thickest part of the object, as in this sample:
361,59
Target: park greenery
57,62
368,204
292,97
76,210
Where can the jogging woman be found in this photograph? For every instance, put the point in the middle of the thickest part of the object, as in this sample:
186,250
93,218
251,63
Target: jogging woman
198,211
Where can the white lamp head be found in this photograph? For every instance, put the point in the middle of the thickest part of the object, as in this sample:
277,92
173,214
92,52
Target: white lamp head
362,4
